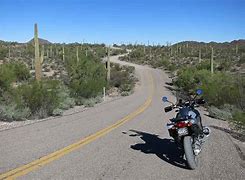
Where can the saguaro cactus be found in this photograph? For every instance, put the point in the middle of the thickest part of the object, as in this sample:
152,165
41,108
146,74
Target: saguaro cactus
108,65
77,54
171,51
212,60
63,52
200,55
236,48
9,51
42,55
51,51
47,51
38,68
56,51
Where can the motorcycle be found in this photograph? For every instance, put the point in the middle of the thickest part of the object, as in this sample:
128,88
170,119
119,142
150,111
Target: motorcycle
186,128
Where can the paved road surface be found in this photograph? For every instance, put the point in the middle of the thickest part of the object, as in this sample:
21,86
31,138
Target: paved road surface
138,147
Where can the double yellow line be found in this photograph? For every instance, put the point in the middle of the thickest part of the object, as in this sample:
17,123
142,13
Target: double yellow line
58,154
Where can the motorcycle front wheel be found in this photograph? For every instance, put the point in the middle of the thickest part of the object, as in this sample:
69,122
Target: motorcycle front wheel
191,159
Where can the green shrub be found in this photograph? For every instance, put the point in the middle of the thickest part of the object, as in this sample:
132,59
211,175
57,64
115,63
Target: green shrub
21,71
219,113
205,64
12,72
219,88
7,76
12,113
3,52
89,102
86,77
125,93
121,80
186,79
40,97
66,101
239,120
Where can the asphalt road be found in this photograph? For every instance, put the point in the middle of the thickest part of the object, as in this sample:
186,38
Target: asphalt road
136,147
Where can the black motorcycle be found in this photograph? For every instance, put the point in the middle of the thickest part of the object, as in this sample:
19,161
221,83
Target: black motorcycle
187,129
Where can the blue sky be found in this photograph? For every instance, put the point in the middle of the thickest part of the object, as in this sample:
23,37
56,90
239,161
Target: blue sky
116,21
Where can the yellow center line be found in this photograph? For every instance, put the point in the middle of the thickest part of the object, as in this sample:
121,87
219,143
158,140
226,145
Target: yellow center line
20,171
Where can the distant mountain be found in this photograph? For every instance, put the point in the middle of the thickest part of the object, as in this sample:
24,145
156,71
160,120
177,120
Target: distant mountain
41,41
239,42
212,43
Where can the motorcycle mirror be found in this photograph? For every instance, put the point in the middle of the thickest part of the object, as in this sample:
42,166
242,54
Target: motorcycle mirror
164,99
199,91
167,109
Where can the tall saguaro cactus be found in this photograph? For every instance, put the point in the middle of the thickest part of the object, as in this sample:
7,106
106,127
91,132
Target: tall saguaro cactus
108,65
56,51
212,60
42,55
63,52
200,56
9,52
38,68
77,54
236,48
51,51
171,50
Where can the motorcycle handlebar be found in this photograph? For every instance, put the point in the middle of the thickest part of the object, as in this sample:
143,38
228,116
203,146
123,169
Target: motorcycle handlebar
187,103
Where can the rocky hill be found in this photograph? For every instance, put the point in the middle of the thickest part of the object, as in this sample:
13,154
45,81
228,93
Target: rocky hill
41,41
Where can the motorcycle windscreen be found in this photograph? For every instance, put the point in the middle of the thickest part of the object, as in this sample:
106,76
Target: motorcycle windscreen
186,113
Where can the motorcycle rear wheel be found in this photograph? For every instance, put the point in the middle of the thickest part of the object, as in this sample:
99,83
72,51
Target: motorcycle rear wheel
192,160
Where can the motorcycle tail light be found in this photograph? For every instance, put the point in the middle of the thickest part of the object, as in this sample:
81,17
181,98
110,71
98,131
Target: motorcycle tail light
181,124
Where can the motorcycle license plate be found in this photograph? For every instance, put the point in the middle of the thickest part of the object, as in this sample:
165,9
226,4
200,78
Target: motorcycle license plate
182,131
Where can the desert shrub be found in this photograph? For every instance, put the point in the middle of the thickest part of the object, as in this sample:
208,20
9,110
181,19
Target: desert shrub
65,99
162,62
121,80
219,88
40,97
242,58
219,113
118,51
205,64
186,79
13,113
125,93
21,71
12,72
122,77
3,52
86,77
239,119
7,76
129,69
171,67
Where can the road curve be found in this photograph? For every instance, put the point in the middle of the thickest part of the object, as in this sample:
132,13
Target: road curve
138,148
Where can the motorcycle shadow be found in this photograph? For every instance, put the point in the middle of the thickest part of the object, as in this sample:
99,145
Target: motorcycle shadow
165,149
